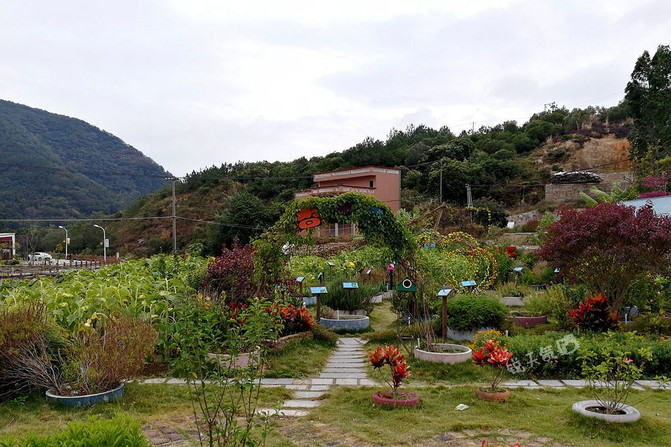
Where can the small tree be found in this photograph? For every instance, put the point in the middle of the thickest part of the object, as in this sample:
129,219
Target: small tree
608,247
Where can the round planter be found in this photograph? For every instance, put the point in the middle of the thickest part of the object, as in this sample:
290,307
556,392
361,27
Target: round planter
627,412
346,323
442,354
464,335
283,341
528,322
400,399
497,396
86,400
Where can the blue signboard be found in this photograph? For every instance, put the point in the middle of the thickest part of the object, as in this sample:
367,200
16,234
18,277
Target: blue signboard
318,290
350,285
470,283
517,269
444,292
300,279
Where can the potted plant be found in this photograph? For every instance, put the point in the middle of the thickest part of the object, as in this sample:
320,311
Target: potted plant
534,313
100,360
610,382
494,357
468,314
391,356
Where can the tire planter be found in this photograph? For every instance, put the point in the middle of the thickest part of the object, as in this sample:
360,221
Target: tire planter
464,354
346,323
529,322
497,396
86,400
401,399
628,413
464,335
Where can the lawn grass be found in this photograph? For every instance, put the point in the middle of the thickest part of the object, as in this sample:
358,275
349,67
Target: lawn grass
528,414
143,403
299,359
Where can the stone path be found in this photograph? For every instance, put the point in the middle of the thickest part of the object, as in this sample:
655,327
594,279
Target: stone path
346,367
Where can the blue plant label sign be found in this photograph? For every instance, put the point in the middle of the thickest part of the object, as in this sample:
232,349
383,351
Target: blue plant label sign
470,283
350,285
444,292
318,290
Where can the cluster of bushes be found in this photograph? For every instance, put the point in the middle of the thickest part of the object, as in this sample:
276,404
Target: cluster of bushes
118,431
556,355
467,312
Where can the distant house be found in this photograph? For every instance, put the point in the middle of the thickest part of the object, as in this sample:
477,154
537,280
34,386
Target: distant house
661,205
382,183
7,245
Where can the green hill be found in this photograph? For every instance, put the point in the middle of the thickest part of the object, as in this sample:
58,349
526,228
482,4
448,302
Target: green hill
56,166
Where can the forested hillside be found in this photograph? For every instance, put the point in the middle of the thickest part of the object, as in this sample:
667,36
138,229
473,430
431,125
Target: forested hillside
56,166
498,162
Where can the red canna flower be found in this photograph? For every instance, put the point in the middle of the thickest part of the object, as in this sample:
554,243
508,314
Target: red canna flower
378,357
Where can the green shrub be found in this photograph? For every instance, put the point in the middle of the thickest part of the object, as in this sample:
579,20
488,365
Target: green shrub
557,306
321,333
467,312
119,431
351,299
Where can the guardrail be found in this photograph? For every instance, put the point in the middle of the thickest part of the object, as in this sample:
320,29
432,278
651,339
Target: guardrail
60,266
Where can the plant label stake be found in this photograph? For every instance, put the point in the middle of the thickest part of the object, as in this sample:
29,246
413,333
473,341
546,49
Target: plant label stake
317,292
443,294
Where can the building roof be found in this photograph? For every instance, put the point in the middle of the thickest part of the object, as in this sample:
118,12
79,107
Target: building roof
351,171
661,205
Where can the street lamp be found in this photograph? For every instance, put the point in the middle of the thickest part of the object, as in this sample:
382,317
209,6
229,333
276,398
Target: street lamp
66,240
104,243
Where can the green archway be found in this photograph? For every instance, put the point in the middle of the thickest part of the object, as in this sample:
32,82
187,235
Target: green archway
297,225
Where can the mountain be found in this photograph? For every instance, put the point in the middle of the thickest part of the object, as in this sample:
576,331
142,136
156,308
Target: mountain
54,166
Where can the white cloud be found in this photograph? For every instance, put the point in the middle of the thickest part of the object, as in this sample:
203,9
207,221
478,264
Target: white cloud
202,82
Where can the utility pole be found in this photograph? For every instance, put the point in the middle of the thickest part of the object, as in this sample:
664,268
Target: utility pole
441,181
174,218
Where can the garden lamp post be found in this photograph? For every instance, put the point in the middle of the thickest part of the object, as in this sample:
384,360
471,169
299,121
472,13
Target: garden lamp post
390,268
104,243
67,239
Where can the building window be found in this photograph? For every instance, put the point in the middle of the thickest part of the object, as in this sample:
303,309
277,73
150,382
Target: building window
370,183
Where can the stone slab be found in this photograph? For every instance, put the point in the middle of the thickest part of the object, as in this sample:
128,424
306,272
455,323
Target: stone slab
520,384
298,387
153,381
347,382
176,382
576,383
654,384
319,387
309,394
344,370
337,375
301,403
323,381
368,382
283,412
279,381
551,383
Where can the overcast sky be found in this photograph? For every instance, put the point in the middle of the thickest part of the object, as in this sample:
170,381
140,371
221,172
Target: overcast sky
196,83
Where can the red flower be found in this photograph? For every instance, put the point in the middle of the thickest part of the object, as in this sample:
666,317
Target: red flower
378,357
398,373
479,357
500,357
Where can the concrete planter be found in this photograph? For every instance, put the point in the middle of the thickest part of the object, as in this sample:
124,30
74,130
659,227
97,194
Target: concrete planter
464,335
86,400
530,321
587,407
283,341
346,323
445,353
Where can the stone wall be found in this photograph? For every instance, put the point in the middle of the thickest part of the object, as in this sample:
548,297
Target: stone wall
568,193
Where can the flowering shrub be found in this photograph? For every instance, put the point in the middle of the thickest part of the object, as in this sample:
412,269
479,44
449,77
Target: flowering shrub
295,319
232,273
594,314
496,356
389,355
610,380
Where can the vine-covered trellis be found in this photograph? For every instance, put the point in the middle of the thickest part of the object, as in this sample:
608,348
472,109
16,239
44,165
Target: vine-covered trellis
374,219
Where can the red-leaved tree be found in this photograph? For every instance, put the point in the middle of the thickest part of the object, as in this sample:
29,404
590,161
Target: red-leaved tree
609,247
